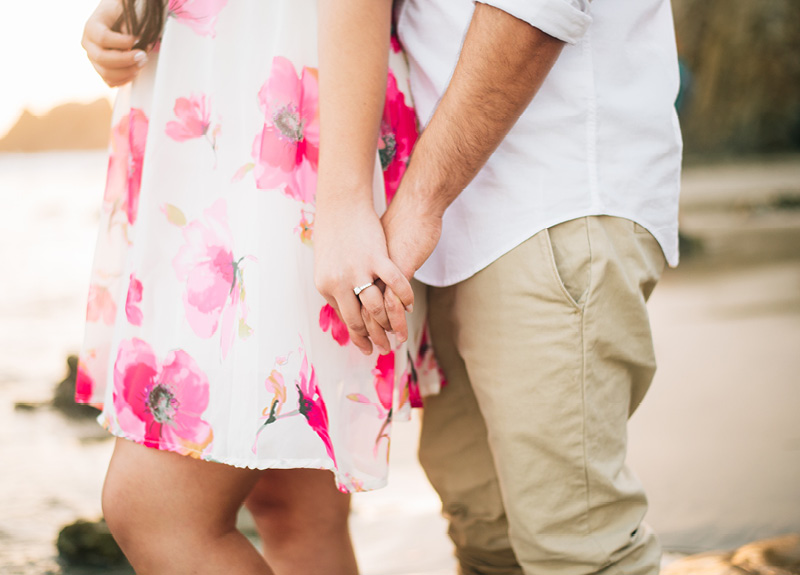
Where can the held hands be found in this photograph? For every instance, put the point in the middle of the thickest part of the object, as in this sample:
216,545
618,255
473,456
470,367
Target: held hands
350,251
353,248
111,53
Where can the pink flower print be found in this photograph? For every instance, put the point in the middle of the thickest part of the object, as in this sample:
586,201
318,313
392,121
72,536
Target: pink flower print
132,310
397,46
414,396
199,15
100,305
161,404
305,229
117,174
84,384
286,152
384,387
272,413
426,365
398,136
214,279
383,373
329,319
125,163
236,307
277,387
139,125
410,385
384,379
193,121
351,484
312,406
193,118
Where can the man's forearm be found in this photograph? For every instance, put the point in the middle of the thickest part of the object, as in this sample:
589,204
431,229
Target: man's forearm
503,63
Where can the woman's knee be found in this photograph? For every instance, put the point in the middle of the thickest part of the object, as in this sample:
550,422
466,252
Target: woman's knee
287,502
150,494
119,509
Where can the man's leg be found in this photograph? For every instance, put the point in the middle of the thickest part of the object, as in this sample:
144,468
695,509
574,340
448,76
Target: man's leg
555,344
455,455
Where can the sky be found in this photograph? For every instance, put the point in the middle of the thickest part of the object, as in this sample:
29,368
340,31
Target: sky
42,63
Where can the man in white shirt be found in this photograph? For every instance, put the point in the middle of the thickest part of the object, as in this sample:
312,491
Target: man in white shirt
551,165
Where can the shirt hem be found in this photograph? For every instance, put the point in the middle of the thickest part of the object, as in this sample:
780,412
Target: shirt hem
670,251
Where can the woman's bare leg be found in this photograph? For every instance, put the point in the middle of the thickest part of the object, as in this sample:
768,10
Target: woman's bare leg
302,520
174,514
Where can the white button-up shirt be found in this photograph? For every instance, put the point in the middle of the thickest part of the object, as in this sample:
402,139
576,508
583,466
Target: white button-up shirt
601,137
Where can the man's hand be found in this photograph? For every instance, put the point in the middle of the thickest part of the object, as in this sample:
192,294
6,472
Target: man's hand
111,53
350,251
412,232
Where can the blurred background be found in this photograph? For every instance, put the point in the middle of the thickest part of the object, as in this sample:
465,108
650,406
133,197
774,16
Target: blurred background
717,440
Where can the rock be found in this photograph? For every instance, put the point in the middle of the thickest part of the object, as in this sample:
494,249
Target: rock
68,127
29,405
689,245
89,543
744,61
64,397
776,556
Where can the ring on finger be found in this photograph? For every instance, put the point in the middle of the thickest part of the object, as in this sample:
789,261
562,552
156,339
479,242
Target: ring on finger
357,290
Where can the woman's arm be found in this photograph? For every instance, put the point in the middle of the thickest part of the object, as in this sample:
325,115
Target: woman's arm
349,243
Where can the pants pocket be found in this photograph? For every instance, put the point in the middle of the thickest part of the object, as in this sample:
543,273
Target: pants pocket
571,256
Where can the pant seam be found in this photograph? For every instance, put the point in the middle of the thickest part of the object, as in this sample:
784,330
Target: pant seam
583,385
584,367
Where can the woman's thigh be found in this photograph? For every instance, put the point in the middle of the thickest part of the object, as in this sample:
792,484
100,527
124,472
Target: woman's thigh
153,492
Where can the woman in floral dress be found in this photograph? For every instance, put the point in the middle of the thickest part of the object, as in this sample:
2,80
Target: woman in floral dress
224,374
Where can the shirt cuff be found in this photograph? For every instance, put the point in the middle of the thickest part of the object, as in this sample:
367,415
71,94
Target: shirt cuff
566,20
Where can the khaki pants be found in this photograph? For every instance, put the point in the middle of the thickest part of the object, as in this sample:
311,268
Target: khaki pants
546,352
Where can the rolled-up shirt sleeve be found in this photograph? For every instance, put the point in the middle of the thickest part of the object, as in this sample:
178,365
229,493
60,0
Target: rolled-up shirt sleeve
566,20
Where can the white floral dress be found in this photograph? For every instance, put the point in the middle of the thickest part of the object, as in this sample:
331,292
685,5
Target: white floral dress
205,334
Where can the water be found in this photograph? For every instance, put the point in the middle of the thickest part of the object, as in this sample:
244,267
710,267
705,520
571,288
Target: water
49,205
52,468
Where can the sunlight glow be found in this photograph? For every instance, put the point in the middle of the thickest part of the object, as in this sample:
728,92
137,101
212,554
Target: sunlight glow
42,63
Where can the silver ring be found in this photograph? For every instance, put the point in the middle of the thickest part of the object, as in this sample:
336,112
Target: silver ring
359,289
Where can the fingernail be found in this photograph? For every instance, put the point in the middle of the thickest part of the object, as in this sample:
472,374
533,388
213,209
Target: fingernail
140,58
382,350
410,308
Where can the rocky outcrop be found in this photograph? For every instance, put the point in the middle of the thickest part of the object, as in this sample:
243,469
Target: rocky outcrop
67,127
777,556
743,59
64,396
89,543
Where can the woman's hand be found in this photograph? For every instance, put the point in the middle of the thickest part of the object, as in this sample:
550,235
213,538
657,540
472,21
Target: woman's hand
349,244
111,53
350,251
